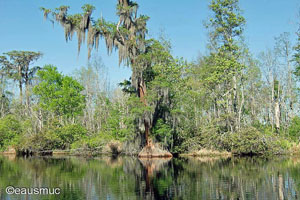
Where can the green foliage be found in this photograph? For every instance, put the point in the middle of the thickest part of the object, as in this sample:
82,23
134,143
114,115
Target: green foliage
251,141
227,28
294,128
71,133
39,142
120,124
10,130
17,64
296,56
220,102
218,69
163,133
227,23
53,136
127,87
61,8
93,142
62,137
247,141
87,8
4,101
58,93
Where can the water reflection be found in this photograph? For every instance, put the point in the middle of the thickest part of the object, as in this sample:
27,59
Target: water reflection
131,178
151,168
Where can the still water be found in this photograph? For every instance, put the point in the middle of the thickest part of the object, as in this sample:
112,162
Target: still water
131,178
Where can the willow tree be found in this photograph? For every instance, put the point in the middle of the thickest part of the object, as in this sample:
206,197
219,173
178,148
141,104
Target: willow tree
127,36
17,66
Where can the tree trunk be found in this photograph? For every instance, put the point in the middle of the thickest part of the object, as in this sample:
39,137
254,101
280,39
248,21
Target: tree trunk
20,84
21,92
142,94
27,94
277,109
272,102
235,103
277,116
240,110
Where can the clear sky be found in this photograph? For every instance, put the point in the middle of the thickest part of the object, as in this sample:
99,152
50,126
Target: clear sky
22,28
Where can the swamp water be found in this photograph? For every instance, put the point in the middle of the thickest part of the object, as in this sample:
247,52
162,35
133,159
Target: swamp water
131,178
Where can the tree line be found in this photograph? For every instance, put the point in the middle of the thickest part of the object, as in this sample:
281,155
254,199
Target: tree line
227,99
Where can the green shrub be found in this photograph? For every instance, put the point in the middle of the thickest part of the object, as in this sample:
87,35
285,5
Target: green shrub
92,142
194,140
294,129
71,133
38,142
10,131
162,133
55,137
250,141
247,141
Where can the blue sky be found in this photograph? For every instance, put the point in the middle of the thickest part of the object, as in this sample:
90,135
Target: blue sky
22,28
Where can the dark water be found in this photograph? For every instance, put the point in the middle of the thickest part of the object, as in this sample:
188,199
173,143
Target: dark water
130,178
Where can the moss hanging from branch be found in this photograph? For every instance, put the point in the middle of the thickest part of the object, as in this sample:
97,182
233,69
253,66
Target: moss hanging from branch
127,35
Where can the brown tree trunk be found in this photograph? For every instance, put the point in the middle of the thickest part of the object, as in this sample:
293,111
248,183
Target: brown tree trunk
142,94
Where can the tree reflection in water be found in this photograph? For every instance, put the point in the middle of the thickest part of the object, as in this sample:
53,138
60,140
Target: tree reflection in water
131,178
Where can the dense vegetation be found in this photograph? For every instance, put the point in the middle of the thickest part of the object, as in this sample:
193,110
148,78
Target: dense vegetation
227,99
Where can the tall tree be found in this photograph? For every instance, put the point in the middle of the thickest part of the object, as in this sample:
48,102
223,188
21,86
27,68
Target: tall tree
4,93
59,94
17,64
127,35
283,49
296,56
226,29
94,80
297,49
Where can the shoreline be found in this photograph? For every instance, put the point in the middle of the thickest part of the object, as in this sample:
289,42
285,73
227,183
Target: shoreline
200,153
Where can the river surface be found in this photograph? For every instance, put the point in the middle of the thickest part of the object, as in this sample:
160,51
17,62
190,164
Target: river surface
130,178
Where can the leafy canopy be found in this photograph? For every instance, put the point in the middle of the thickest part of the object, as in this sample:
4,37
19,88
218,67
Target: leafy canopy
58,93
16,64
